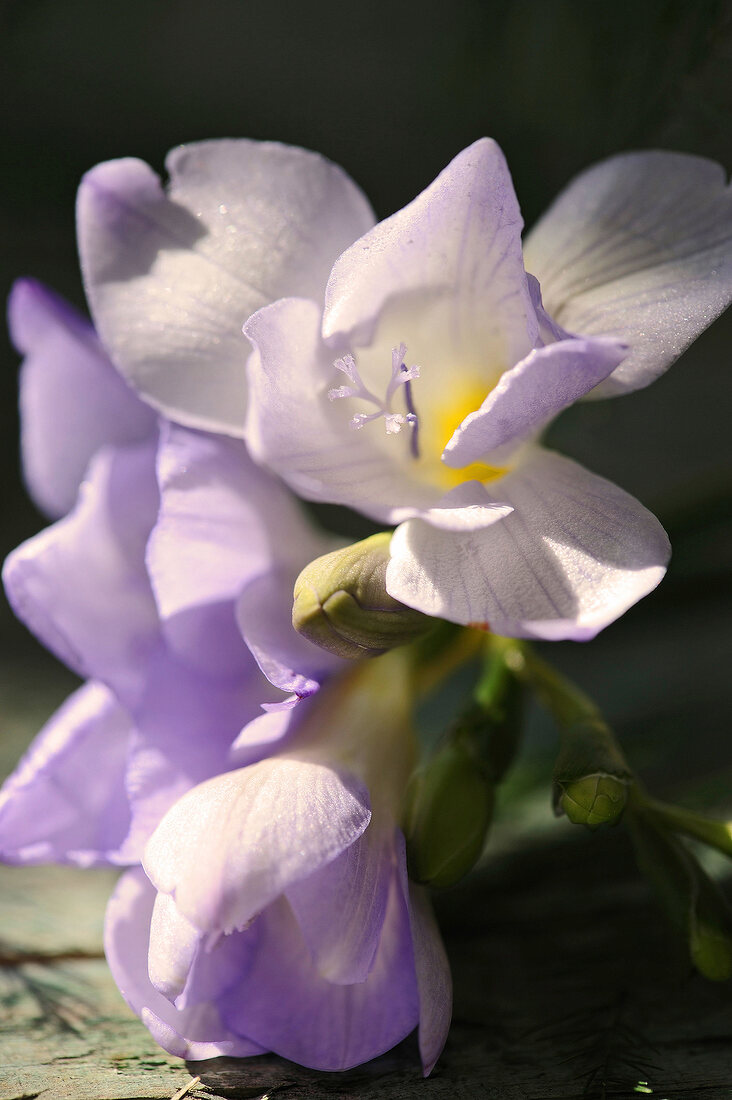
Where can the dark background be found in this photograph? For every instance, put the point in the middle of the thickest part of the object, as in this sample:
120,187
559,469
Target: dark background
392,90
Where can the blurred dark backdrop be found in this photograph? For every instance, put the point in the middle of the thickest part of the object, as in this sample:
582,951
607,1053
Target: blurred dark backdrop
392,90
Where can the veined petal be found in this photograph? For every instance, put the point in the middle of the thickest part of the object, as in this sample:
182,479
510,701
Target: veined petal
72,401
460,240
66,800
548,380
639,247
287,1006
81,585
317,454
196,1032
171,277
341,908
223,521
571,557
233,844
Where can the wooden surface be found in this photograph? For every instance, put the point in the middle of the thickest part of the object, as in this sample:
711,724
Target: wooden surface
568,985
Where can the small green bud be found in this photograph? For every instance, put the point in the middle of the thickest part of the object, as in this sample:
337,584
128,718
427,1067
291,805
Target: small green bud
594,800
341,603
592,781
449,806
691,898
711,952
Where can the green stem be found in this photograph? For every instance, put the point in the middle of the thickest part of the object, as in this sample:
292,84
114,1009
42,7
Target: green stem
717,834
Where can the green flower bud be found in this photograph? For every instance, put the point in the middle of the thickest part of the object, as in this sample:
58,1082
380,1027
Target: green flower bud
341,602
711,952
594,800
449,806
592,782
690,897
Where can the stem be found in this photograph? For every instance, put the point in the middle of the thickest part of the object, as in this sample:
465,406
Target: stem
717,834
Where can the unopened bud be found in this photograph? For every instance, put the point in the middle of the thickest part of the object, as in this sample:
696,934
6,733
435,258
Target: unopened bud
594,800
691,898
341,603
449,809
592,782
711,952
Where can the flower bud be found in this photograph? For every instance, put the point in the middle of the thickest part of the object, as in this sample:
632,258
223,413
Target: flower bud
711,951
592,781
341,602
594,800
449,809
692,900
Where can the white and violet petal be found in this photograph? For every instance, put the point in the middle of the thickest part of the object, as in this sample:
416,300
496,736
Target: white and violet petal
572,556
172,275
638,247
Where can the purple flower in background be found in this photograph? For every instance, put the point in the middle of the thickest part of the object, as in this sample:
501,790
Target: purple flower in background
170,680
283,919
418,392
166,583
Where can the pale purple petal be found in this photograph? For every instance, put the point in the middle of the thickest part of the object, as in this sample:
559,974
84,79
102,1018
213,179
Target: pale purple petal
341,908
81,585
196,1032
571,557
171,277
66,802
459,241
72,401
287,1006
260,736
222,522
293,427
264,614
186,724
233,844
434,980
186,966
527,397
639,247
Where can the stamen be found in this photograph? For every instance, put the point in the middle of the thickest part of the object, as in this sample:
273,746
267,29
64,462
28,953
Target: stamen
401,375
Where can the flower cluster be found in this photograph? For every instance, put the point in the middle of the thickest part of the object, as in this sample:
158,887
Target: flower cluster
251,782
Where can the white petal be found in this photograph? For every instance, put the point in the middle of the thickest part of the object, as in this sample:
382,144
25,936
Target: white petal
457,242
529,395
172,277
638,247
571,557
294,428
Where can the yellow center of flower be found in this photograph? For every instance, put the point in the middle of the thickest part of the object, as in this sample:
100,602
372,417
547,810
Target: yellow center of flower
439,419
424,418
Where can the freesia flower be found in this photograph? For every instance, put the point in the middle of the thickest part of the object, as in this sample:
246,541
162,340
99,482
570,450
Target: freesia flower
283,919
175,551
170,682
416,391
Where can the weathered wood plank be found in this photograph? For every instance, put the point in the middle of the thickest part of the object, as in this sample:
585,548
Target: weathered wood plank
568,984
